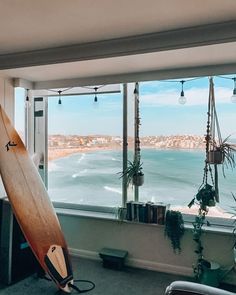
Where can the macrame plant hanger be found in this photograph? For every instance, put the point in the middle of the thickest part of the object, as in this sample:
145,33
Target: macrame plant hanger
213,140
137,150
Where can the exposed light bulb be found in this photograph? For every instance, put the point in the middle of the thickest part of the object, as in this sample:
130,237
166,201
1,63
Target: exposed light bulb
95,101
59,100
182,99
27,100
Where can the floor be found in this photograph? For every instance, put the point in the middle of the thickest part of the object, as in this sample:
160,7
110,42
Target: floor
129,281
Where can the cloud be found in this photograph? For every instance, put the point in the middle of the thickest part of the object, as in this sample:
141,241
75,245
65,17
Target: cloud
195,96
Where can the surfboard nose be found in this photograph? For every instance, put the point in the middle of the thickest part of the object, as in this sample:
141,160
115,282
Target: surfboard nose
59,269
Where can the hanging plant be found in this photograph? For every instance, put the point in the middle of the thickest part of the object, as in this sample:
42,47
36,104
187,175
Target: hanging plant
205,198
134,173
174,228
218,151
201,263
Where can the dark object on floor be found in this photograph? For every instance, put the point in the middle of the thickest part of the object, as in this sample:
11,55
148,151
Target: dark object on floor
113,258
189,288
16,258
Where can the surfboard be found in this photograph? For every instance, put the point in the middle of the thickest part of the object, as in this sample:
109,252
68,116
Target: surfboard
32,206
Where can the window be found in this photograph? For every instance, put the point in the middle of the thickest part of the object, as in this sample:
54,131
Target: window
85,145
85,149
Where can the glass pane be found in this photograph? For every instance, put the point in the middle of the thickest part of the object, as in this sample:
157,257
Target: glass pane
85,149
172,141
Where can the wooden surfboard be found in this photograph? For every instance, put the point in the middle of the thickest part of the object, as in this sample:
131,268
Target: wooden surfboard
32,206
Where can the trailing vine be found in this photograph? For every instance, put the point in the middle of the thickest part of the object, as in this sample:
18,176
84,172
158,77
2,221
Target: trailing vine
174,229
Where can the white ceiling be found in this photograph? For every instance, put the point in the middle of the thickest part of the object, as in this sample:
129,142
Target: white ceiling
28,25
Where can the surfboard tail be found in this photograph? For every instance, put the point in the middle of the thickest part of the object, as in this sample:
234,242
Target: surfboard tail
59,268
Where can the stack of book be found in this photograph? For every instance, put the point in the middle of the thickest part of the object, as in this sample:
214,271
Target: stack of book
146,212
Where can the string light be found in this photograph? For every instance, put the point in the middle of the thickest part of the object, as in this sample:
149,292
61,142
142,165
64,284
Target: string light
27,100
182,98
59,93
95,97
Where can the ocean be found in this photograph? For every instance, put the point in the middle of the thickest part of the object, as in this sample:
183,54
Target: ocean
171,176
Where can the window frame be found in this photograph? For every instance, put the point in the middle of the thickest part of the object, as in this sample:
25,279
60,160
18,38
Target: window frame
188,218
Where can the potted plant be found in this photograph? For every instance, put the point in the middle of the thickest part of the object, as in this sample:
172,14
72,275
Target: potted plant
206,197
174,228
222,153
134,173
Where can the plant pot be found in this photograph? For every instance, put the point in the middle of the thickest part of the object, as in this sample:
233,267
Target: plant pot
122,213
138,179
211,276
215,157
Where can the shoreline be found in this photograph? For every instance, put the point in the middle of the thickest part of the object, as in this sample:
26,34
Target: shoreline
55,154
58,153
215,211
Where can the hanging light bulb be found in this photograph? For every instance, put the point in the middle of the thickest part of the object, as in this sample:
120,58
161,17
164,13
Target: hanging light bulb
95,97
59,100
233,97
182,98
27,100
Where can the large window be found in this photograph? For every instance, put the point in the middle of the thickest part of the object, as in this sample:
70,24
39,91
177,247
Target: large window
85,145
85,149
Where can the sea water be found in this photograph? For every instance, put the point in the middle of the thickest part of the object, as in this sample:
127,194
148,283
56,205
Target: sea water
171,176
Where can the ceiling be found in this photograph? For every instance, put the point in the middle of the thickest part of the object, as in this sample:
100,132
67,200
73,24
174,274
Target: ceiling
63,42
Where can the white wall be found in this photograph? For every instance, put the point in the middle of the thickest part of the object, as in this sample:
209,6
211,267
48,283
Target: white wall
146,244
7,96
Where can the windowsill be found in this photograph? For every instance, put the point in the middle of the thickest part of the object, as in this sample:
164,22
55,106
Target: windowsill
219,229
87,214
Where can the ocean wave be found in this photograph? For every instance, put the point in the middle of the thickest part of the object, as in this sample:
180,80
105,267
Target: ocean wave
112,189
115,159
82,172
81,158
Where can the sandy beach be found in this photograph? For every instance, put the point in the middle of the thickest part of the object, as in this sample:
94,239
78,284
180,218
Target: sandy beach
213,211
57,153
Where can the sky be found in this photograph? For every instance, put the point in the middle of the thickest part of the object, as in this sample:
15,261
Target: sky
160,112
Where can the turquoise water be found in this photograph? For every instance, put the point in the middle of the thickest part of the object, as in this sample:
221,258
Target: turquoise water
171,176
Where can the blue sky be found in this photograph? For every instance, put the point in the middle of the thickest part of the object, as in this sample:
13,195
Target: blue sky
161,114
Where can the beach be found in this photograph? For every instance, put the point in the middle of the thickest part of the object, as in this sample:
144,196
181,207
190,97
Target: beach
57,153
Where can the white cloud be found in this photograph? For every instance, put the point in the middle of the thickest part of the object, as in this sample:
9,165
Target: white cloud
195,96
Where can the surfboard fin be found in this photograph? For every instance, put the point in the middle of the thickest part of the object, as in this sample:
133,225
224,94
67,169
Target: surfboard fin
59,267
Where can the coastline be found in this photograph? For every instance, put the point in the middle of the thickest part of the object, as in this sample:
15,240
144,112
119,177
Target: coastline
58,153
215,211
